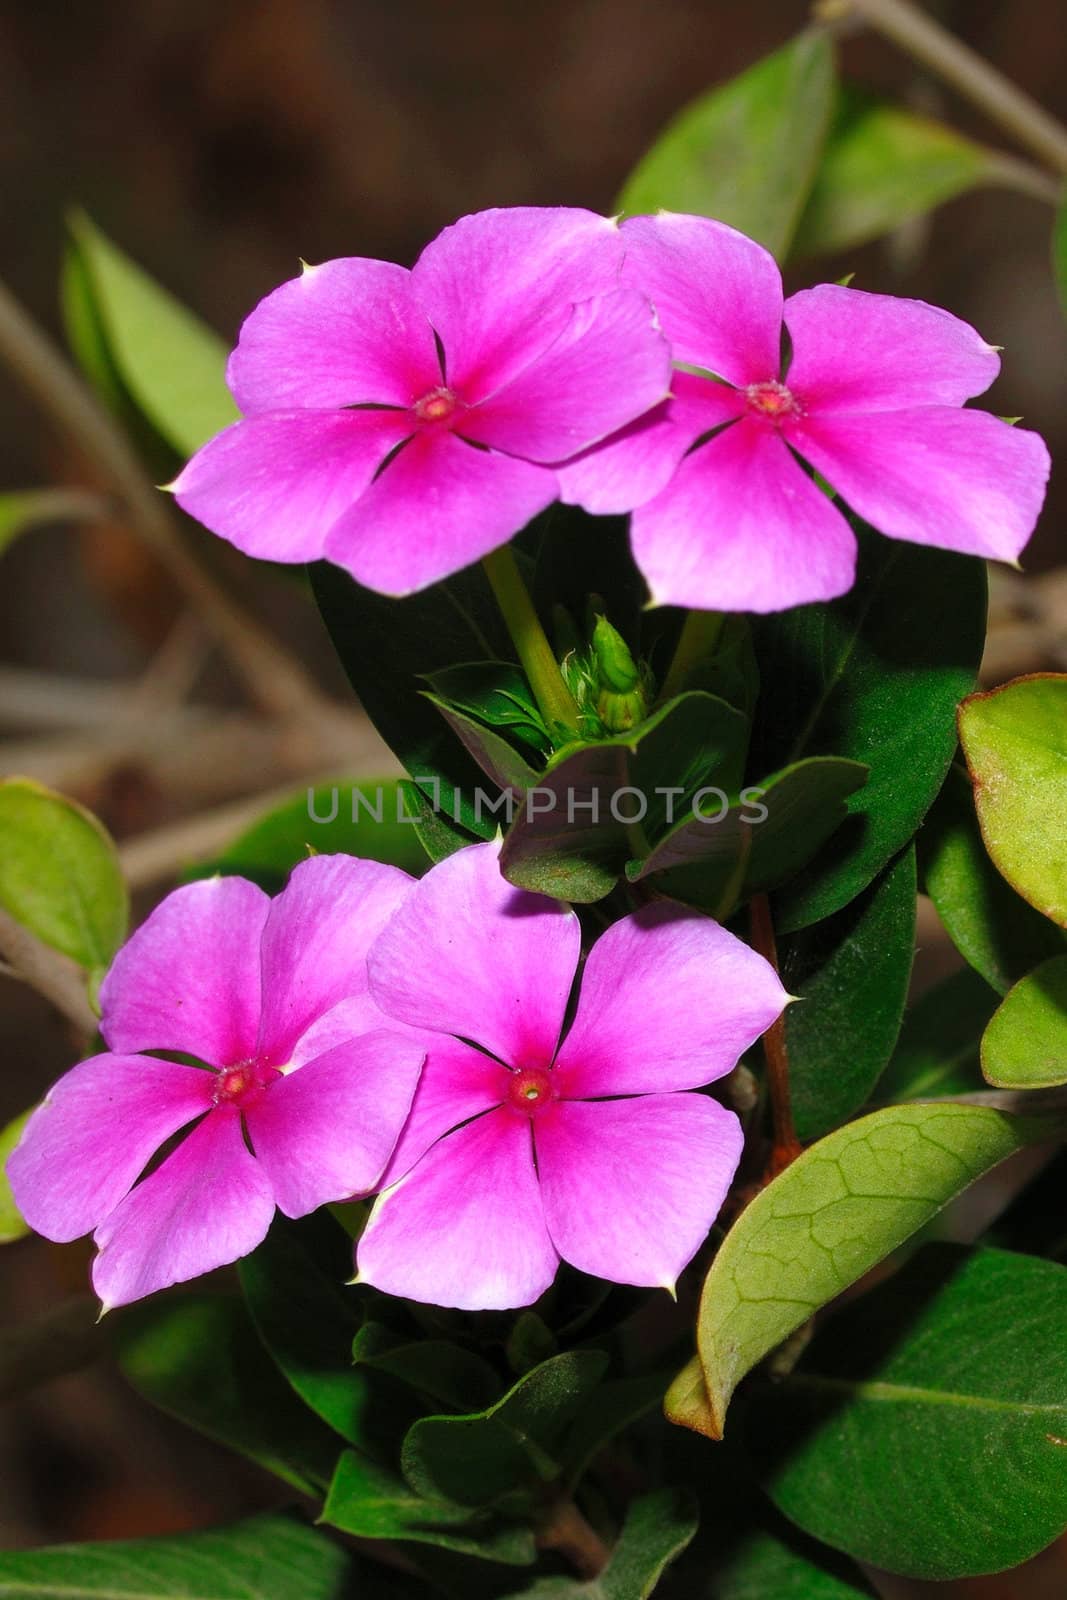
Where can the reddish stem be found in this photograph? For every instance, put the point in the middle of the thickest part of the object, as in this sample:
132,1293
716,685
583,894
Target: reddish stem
786,1146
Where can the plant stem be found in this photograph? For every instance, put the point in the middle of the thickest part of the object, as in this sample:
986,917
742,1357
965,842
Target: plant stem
696,642
59,979
927,42
554,699
565,1529
786,1146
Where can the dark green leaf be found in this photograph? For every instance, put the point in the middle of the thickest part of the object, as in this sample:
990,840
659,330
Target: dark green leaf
495,693
611,1408
657,1529
508,771
747,153
437,834
782,1565
1025,1045
937,1052
445,1374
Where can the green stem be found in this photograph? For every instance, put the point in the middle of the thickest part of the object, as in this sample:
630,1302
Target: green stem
554,699
696,642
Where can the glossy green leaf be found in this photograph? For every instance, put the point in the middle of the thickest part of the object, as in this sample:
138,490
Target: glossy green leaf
1015,742
940,1400
198,1357
495,693
1025,1044
991,926
265,1558
507,769
780,1564
12,1225
882,165
23,510
875,677
747,153
657,1529
512,1445
170,363
59,874
851,975
839,1209
445,1374
937,1052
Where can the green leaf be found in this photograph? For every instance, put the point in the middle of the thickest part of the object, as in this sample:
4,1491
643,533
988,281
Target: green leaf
937,1052
991,926
445,1374
198,1357
512,1445
509,771
940,1400
1059,253
851,975
780,1563
495,693
437,834
613,1407
373,1503
169,362
747,153
839,1209
26,509
1025,1044
882,165
717,861
265,1558
657,1529
12,1225
1015,741
59,874
875,677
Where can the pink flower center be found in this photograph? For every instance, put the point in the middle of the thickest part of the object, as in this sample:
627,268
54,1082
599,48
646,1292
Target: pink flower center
771,400
531,1090
437,405
243,1084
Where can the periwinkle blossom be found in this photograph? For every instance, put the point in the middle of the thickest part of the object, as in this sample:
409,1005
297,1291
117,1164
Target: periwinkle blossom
871,394
521,1149
302,1095
405,423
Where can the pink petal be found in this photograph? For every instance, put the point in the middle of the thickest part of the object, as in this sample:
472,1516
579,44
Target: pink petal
188,979
633,465
607,367
959,480
669,1000
326,1131
207,1205
345,333
274,486
315,944
465,1228
854,351
741,527
457,1083
718,294
439,506
499,286
467,954
632,1187
97,1130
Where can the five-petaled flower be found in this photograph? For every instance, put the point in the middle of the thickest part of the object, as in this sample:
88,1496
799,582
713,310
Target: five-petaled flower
404,424
307,1090
871,394
521,1150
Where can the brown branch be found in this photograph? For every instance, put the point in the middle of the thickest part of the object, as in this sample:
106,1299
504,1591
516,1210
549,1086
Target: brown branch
567,1531
786,1146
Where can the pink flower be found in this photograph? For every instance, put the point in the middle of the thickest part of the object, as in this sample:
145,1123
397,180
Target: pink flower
403,424
872,397
519,1149
273,996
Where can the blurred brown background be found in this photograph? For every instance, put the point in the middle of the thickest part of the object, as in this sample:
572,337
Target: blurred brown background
220,140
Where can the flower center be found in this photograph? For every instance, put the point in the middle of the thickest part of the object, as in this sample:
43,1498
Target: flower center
243,1084
531,1090
771,400
436,406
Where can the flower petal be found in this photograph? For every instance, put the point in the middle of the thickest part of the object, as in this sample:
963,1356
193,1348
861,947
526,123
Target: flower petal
188,979
345,333
633,465
315,943
208,1204
93,1136
741,527
457,1083
439,506
959,480
608,366
325,1132
499,286
632,1187
465,1228
854,351
274,486
669,1000
467,954
717,293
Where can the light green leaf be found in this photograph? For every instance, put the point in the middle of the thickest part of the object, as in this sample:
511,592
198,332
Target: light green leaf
59,874
26,509
1025,1044
657,1529
12,1225
746,153
842,1207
